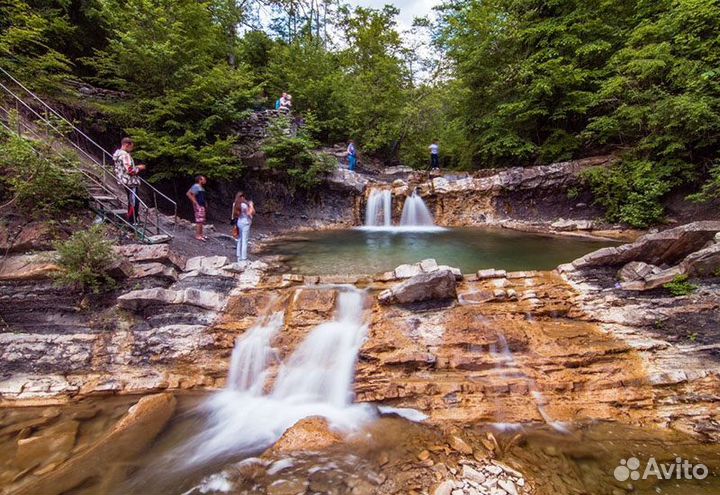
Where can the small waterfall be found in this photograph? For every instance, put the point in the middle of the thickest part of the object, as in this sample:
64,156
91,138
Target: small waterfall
252,355
415,213
378,211
316,380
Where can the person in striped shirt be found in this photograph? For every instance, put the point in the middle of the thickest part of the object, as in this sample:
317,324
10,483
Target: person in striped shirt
128,176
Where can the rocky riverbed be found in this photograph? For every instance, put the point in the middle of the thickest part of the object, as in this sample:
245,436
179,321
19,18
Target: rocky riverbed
478,354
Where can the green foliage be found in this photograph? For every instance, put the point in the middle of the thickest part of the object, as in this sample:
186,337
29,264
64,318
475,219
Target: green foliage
39,185
86,259
632,191
680,286
294,154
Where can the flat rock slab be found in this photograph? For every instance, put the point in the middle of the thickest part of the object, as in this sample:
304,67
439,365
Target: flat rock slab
27,267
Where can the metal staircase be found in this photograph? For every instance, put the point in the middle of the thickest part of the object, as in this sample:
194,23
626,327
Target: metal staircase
23,113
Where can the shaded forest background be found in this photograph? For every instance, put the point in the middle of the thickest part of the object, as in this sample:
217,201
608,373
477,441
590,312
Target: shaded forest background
500,83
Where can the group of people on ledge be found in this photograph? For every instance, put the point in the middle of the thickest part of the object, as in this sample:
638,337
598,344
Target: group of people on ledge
352,155
243,210
128,173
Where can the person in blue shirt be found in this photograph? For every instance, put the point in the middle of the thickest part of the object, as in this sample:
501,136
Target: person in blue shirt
352,155
281,101
435,154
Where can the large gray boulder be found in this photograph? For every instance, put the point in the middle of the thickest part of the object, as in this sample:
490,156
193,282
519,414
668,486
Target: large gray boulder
662,248
435,285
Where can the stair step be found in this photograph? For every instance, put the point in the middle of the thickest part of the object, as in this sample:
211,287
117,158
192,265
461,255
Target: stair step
104,198
157,239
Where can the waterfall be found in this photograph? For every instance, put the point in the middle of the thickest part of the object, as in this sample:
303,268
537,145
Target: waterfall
415,213
316,380
378,211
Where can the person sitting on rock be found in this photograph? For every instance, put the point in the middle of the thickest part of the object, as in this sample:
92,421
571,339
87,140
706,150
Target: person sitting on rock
196,195
280,101
286,106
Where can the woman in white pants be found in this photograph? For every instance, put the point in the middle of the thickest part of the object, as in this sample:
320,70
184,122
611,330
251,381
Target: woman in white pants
243,211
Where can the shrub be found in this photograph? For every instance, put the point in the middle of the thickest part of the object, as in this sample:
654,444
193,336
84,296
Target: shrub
39,185
86,259
680,286
295,155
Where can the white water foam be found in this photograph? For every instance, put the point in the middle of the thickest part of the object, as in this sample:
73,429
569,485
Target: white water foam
378,211
315,381
415,213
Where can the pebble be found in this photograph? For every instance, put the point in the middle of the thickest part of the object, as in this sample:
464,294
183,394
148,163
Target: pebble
508,486
492,469
424,455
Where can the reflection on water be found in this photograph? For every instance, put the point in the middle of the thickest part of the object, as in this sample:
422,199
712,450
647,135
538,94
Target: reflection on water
367,251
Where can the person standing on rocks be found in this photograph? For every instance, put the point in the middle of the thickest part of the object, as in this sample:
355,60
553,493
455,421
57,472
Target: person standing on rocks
435,154
243,211
196,195
352,155
128,176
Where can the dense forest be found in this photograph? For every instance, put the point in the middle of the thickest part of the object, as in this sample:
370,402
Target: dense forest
499,83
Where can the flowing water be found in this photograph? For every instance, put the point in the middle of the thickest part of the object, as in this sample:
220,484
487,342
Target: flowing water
378,211
415,213
359,251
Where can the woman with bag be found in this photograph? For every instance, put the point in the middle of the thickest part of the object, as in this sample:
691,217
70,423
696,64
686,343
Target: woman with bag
243,213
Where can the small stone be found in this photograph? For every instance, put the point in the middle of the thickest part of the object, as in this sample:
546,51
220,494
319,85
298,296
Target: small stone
508,486
424,455
472,474
460,445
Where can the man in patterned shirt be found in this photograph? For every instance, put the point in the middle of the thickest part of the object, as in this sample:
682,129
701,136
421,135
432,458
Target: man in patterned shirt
128,176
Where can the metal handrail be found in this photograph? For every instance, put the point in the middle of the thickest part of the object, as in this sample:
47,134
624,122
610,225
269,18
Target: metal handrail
104,153
97,182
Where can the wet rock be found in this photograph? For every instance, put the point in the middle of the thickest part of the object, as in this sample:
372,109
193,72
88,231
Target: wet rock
52,445
125,441
287,487
309,434
437,285
460,445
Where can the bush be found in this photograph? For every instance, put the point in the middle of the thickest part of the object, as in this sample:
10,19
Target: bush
295,155
38,185
680,286
86,259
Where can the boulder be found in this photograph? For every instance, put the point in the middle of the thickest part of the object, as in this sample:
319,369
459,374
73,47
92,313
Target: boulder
35,236
159,253
636,270
120,269
703,263
438,285
667,247
308,434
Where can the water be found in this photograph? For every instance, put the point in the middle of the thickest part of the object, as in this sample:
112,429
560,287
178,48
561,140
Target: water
470,249
378,211
415,213
316,380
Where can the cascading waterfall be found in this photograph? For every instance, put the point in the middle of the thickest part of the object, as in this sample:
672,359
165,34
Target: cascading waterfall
316,380
415,213
378,211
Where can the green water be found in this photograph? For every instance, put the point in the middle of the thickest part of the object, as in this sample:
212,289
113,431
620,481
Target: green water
470,249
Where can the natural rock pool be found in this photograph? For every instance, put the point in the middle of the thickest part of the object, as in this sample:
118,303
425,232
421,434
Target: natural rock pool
375,250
